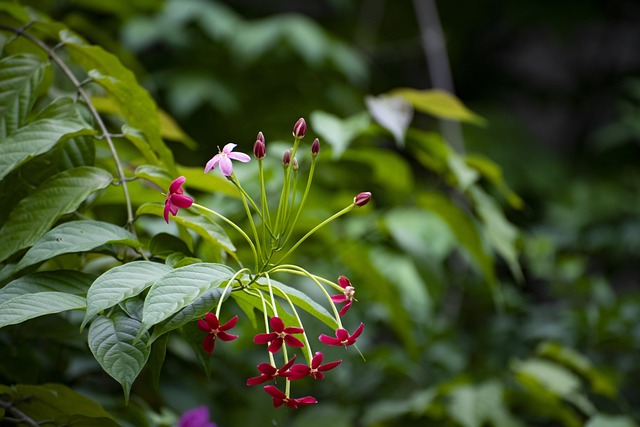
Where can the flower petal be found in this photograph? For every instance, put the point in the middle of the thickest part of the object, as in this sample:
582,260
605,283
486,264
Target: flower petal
226,167
167,208
307,400
258,380
293,341
181,201
176,184
209,343
229,147
275,345
338,298
293,330
264,338
317,360
213,163
357,332
230,324
276,324
328,366
226,337
241,157
212,320
275,392
204,326
343,282
329,340
345,308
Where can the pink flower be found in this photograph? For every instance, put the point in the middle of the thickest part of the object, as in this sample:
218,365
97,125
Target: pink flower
196,417
315,147
224,158
211,325
315,370
347,296
362,199
342,337
279,335
176,198
279,398
269,372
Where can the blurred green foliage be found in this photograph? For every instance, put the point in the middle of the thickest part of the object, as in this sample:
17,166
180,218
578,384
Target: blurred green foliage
499,286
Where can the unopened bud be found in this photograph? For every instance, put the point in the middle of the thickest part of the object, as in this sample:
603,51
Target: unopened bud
295,164
315,147
286,158
362,199
300,128
259,149
260,137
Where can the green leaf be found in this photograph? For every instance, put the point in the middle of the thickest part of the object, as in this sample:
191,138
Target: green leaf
41,135
76,236
179,288
20,77
163,245
339,132
499,232
135,103
475,406
463,228
193,311
439,103
420,233
119,348
139,141
35,214
156,359
493,173
602,420
120,283
202,223
29,306
301,300
56,402
66,281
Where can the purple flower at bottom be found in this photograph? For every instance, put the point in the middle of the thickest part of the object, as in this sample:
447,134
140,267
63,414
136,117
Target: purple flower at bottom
196,417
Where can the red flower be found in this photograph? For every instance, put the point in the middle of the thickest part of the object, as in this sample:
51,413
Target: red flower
212,326
269,372
347,296
176,198
315,370
342,337
279,398
279,335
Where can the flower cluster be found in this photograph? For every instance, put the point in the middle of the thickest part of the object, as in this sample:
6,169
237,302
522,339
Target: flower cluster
269,246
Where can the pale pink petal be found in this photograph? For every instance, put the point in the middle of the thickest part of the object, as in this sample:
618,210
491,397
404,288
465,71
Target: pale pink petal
229,148
225,166
241,157
213,163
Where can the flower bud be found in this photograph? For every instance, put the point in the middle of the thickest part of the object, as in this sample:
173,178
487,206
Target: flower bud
362,199
259,149
300,128
286,158
260,137
315,147
295,164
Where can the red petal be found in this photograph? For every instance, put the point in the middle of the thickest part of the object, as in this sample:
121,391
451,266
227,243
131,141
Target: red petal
181,201
293,330
345,308
328,366
343,282
308,400
317,360
167,206
338,298
358,331
258,380
329,340
208,343
275,345
267,369
212,320
287,365
276,324
204,326
226,337
230,324
275,392
342,334
176,184
264,338
293,341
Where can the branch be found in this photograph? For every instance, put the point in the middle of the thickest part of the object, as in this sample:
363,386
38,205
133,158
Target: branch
438,63
20,417
87,99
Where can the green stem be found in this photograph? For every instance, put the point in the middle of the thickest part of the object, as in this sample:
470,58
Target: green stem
316,228
232,224
303,201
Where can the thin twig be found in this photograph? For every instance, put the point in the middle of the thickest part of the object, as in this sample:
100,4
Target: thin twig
21,417
87,99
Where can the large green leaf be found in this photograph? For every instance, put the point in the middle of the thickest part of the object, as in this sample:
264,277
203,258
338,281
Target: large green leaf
193,311
135,103
58,404
339,132
20,77
35,214
66,281
41,135
179,288
76,236
120,283
202,223
438,103
28,306
119,348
